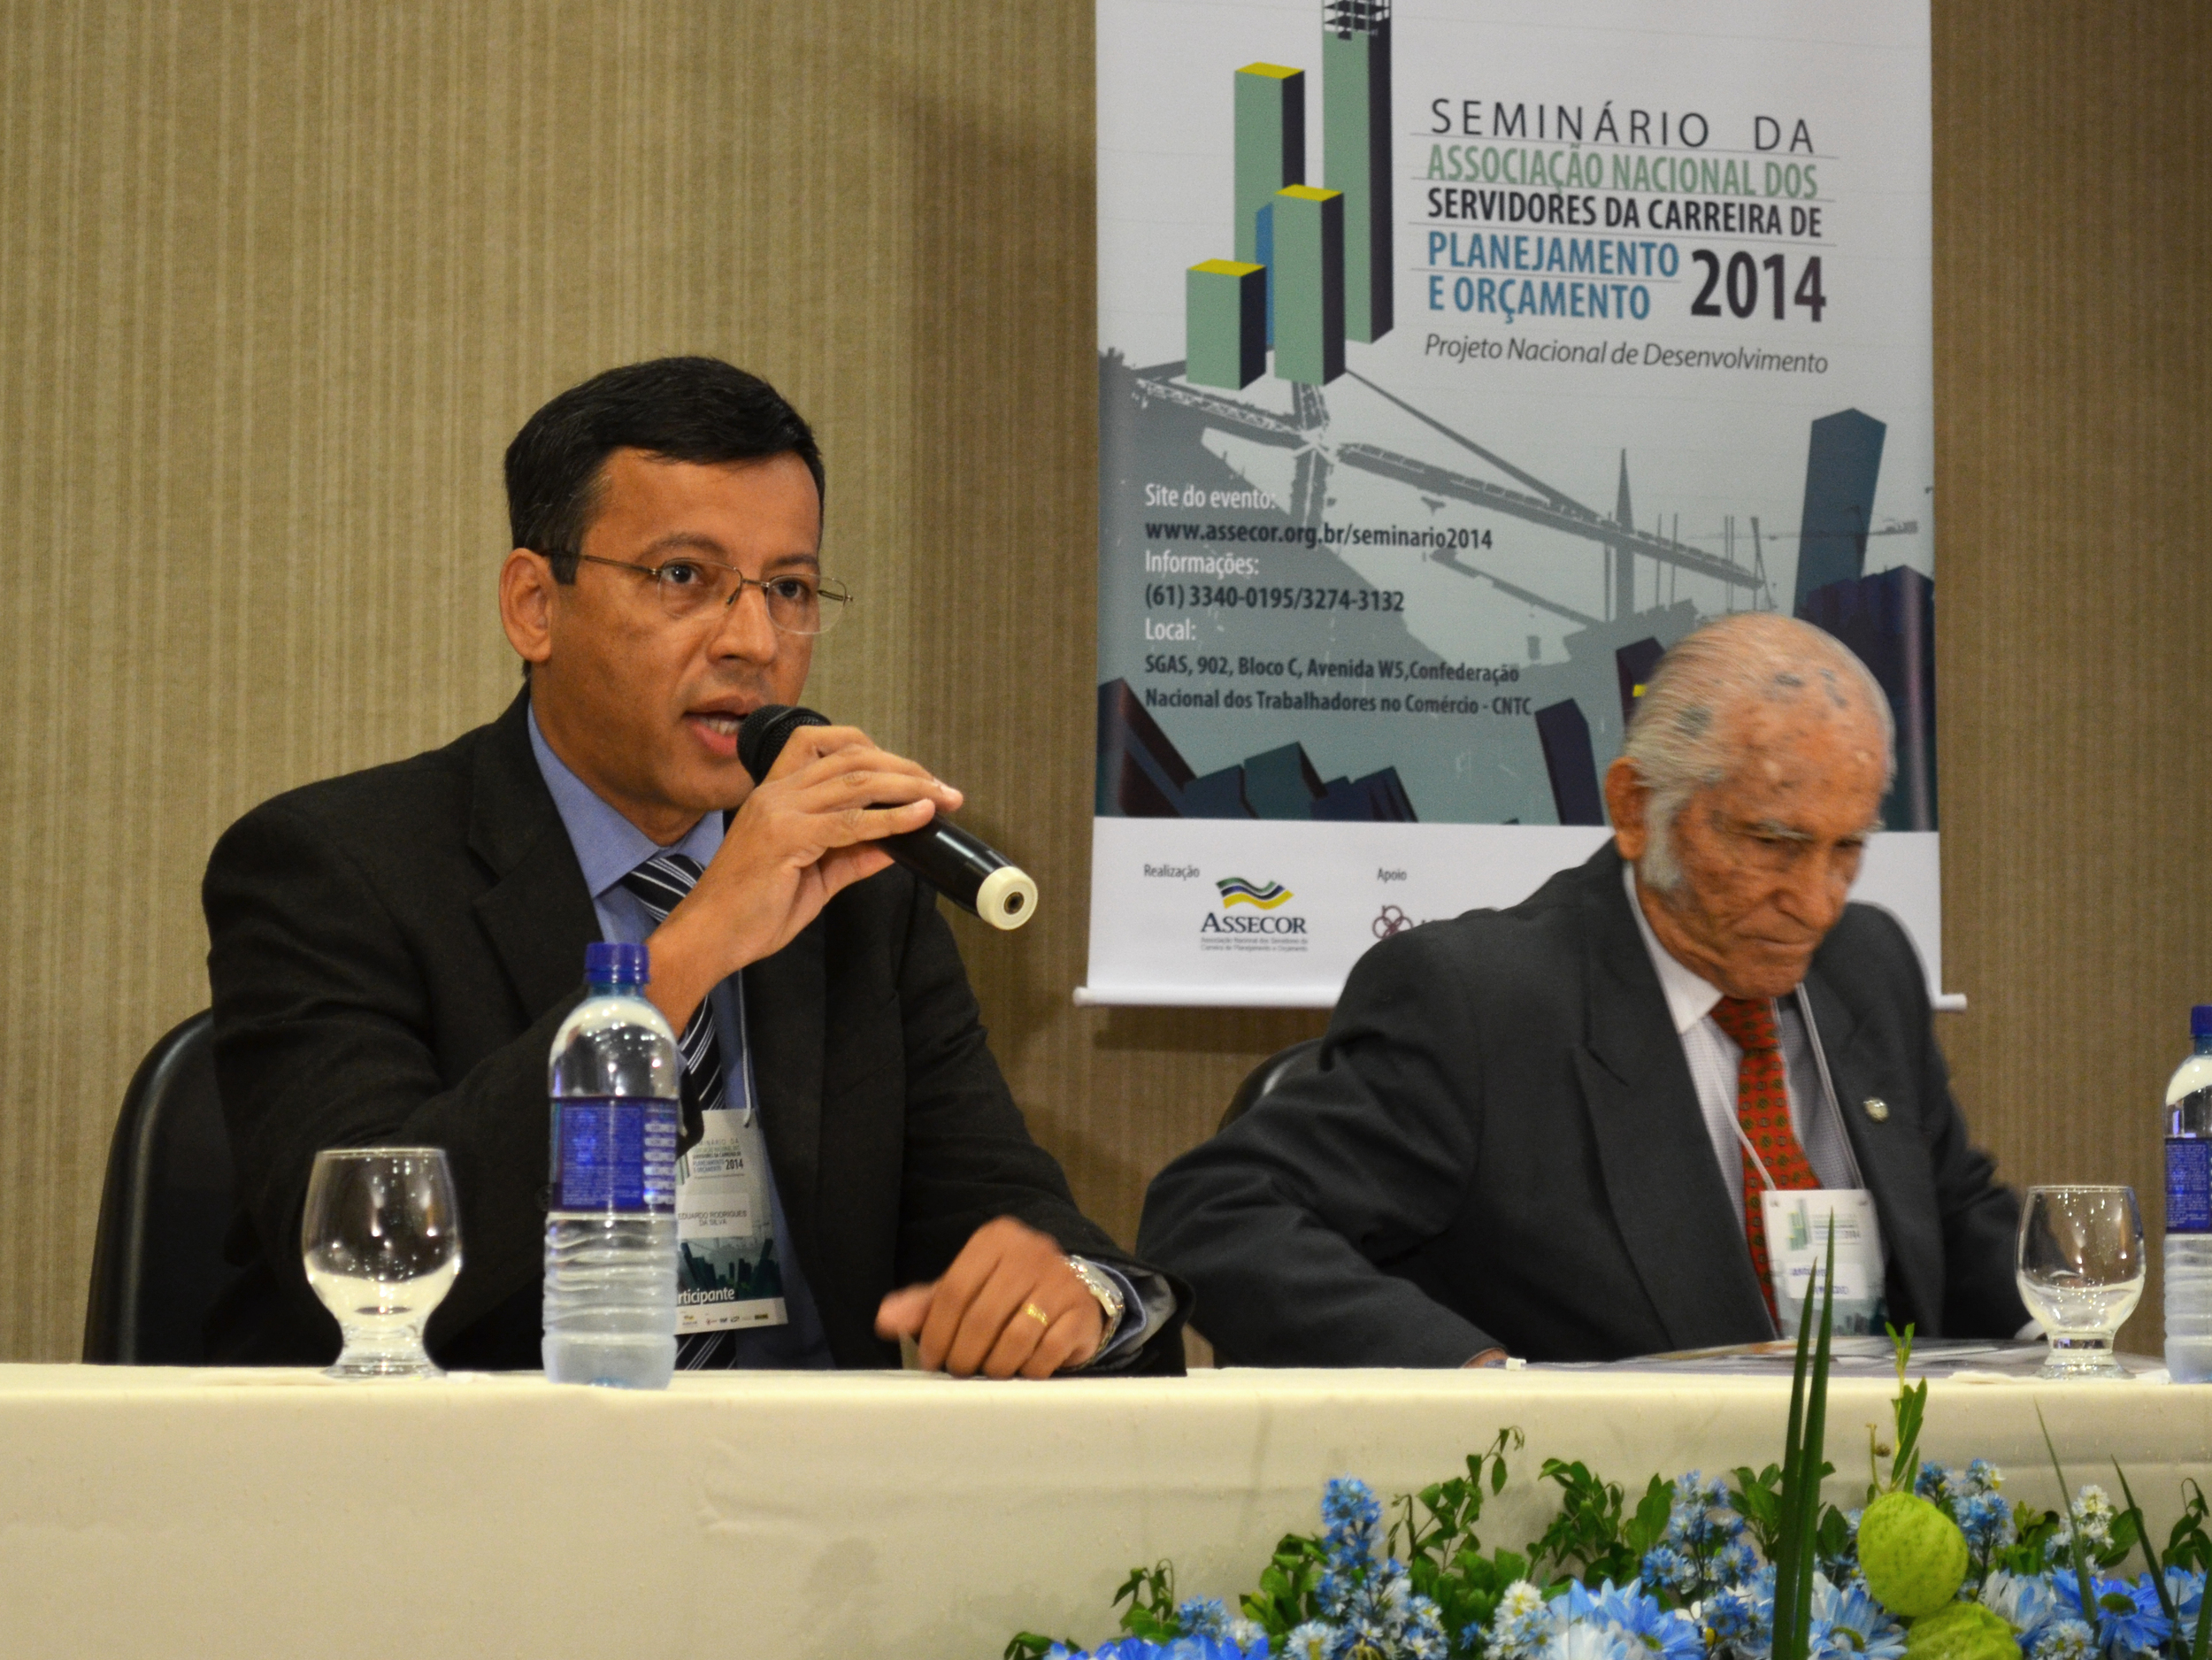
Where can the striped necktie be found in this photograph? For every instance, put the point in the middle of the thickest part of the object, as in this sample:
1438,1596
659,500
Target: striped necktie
1763,1110
660,885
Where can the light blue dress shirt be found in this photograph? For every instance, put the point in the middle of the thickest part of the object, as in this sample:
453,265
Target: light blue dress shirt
609,847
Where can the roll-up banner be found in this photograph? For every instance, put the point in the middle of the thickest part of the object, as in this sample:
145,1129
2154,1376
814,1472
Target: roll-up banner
1455,360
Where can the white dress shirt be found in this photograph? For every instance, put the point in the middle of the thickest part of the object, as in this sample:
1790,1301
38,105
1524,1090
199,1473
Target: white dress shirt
1714,1062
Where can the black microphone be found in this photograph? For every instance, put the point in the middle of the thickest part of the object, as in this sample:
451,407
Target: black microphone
958,865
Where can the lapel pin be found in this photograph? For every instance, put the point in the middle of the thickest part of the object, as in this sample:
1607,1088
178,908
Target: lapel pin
1876,1108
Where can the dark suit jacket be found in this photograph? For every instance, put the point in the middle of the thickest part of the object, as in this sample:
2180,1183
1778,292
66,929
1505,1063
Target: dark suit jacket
390,955
1503,1146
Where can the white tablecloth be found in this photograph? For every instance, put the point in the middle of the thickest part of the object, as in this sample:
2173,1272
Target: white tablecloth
238,1513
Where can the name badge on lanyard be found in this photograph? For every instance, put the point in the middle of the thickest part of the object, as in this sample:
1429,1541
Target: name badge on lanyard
1797,1250
729,1276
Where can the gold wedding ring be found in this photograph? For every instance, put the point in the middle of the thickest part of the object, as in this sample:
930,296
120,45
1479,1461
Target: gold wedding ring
1037,1314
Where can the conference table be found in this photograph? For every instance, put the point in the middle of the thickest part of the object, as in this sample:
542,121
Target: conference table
185,1513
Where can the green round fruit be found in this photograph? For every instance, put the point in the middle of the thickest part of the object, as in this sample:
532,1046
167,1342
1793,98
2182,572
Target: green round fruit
1962,1630
1912,1554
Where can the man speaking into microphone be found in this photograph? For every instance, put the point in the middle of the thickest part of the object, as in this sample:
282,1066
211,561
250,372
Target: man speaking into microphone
392,951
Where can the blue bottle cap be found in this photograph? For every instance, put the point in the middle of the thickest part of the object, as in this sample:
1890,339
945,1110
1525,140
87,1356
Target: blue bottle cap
614,963
2200,1021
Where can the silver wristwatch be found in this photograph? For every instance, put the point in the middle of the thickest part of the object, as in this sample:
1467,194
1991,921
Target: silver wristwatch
1109,1297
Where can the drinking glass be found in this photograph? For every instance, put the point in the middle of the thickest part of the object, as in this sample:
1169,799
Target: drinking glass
2081,1273
383,1244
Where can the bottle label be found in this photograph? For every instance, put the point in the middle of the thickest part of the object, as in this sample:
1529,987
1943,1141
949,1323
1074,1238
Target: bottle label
2188,1185
614,1153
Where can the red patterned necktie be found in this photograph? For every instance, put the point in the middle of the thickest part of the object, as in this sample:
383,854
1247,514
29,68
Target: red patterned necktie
1763,1107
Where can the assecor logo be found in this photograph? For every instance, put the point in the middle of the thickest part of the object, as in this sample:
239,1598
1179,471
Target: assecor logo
1236,890
1272,930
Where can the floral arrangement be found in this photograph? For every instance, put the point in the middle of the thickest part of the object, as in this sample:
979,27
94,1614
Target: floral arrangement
1935,1565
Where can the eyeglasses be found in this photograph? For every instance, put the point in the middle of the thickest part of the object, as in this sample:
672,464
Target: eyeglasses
692,588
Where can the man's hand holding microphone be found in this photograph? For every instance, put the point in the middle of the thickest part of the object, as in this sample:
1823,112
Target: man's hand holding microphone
1010,1304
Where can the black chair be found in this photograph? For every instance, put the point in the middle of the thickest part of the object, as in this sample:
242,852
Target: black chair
158,1262
1294,1062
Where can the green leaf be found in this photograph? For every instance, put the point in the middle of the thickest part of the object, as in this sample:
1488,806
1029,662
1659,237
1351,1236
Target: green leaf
1835,1533
1909,1408
1650,1524
1286,1597
1150,1594
1757,1498
2188,1546
1592,1531
1029,1645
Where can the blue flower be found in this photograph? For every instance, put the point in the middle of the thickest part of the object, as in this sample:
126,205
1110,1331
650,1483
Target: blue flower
1668,1569
2188,1591
1195,1647
1312,1640
1735,1562
2127,1615
1934,1482
1705,1547
1652,1630
1203,1617
1986,1521
1371,1608
1700,1516
1349,1513
1739,1619
2024,1601
2142,1629
1848,1623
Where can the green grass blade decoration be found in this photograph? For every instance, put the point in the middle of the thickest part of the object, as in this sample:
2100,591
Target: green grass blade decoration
2073,1533
2150,1555
1802,1469
1812,1459
1784,1575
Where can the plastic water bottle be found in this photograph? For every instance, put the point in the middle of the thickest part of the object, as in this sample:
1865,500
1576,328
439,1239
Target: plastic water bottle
610,1230
2189,1208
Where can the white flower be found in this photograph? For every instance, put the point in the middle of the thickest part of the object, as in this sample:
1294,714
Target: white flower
1524,1623
2092,1511
1581,1639
1246,1634
1518,1599
2064,1639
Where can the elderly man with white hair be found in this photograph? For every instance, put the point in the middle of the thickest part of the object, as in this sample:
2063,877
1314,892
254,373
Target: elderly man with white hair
1546,1130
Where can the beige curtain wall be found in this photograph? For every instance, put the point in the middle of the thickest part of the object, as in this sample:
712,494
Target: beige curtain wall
279,281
